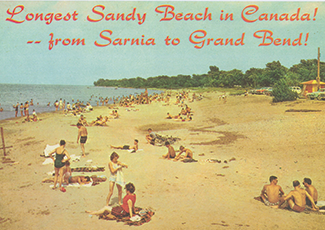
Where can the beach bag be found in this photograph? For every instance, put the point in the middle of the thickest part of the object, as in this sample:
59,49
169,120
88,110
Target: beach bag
118,211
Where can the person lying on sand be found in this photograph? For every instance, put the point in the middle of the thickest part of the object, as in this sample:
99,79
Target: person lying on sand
125,209
297,198
272,193
188,153
128,147
79,179
171,151
311,190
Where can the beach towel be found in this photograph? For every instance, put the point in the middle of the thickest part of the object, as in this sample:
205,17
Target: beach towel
88,169
120,178
132,150
142,216
76,185
49,148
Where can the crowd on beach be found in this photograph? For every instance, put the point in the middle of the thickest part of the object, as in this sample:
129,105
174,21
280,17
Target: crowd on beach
61,157
24,111
272,195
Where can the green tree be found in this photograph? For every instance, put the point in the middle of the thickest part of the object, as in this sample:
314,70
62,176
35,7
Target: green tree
282,92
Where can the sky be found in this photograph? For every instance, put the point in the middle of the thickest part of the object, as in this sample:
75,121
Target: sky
63,63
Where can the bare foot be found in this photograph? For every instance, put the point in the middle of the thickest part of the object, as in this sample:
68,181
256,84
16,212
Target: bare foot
54,188
83,156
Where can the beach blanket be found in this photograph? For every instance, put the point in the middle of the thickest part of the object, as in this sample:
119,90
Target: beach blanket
88,169
142,216
132,150
77,185
49,148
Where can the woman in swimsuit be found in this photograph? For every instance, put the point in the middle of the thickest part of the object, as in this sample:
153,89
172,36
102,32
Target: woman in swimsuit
114,165
59,162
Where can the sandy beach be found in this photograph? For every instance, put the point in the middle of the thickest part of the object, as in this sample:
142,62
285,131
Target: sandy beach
255,137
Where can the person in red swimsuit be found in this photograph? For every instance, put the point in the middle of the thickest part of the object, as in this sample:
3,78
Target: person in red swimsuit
126,209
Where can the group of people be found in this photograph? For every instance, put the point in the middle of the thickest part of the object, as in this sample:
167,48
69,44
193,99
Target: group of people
273,195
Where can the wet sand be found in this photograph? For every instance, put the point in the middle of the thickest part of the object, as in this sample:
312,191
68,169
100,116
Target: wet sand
261,138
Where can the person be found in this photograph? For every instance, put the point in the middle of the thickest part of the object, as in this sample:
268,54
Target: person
150,137
272,193
79,179
169,116
311,190
16,107
125,209
21,109
297,198
188,153
67,172
171,151
82,134
115,167
82,120
56,104
59,162
26,108
135,147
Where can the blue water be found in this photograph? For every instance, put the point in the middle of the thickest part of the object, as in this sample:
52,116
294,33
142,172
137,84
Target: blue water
10,94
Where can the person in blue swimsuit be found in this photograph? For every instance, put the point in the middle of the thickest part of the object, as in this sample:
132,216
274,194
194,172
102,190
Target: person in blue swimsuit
59,162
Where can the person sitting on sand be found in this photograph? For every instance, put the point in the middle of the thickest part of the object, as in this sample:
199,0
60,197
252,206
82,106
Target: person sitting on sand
82,120
169,116
171,151
188,153
128,147
311,191
297,198
125,209
272,193
59,162
67,172
151,137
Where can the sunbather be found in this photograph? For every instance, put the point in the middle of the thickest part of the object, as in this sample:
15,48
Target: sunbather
128,147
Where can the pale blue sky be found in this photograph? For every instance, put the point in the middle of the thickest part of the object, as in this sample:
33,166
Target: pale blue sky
82,65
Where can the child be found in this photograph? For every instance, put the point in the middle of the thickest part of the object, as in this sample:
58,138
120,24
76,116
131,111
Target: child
188,153
116,176
67,173
171,151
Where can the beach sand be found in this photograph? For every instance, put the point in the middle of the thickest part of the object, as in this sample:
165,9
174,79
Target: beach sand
263,138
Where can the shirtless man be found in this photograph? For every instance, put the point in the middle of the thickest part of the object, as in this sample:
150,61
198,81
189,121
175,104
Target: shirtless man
82,134
297,198
135,147
271,193
188,153
79,179
82,120
150,137
171,151
311,190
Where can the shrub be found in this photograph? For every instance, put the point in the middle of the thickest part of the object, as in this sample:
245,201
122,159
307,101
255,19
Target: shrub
282,92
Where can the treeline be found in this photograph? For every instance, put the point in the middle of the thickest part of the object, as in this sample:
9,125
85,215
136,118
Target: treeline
254,77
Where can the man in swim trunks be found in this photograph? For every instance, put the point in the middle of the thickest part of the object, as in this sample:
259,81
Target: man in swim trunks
188,153
311,190
128,147
171,151
82,134
272,193
297,198
79,179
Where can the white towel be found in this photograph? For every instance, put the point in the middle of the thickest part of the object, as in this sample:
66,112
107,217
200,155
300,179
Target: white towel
47,161
49,148
120,178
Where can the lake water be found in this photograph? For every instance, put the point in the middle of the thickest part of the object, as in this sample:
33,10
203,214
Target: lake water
10,94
